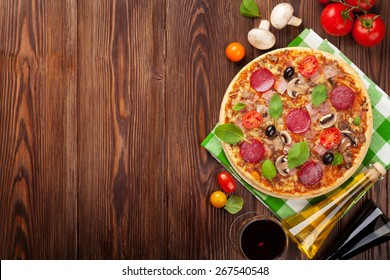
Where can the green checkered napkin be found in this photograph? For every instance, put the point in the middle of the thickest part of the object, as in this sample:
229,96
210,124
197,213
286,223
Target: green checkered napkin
379,150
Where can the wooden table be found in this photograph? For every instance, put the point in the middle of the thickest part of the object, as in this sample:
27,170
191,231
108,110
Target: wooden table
103,106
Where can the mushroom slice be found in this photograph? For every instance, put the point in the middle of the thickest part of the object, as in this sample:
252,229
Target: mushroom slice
343,125
348,157
286,138
344,144
282,165
352,137
328,120
297,86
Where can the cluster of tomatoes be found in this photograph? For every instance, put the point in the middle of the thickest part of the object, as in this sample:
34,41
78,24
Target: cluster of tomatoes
227,184
338,19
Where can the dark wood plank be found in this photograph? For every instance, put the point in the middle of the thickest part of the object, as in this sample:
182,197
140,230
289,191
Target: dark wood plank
121,132
38,129
197,76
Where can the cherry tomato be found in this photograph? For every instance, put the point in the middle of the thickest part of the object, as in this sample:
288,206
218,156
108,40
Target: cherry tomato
226,182
363,5
324,1
308,66
218,199
336,20
235,51
369,30
252,119
330,138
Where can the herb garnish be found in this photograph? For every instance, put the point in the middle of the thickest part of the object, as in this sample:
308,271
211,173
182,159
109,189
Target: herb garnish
268,169
234,204
356,121
249,8
298,154
238,106
318,95
337,159
229,133
275,106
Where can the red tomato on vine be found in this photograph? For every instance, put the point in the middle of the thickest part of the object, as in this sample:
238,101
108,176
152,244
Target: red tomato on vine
337,19
369,30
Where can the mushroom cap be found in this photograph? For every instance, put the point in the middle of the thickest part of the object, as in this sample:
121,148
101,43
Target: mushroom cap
328,120
297,86
261,39
281,15
286,138
282,165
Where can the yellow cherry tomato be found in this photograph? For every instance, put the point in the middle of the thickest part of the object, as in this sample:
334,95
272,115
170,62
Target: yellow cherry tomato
218,199
235,51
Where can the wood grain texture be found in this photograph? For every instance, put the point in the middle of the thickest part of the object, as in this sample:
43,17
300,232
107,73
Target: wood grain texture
103,106
121,130
38,129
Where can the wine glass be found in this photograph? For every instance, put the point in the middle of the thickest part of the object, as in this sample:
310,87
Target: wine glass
258,237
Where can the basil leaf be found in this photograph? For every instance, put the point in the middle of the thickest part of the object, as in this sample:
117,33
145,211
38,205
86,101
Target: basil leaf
249,8
318,95
275,106
239,106
234,204
229,133
298,154
356,121
337,159
268,169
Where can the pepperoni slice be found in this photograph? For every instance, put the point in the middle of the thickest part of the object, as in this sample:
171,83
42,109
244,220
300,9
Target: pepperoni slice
310,173
252,151
342,97
298,120
262,80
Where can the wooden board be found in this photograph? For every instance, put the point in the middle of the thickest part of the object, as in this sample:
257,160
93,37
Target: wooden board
38,131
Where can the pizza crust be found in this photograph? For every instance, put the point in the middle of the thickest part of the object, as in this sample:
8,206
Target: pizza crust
316,192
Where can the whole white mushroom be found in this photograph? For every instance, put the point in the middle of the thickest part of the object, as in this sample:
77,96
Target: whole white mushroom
261,38
282,15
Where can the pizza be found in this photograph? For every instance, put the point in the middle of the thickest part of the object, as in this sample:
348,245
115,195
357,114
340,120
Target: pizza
304,122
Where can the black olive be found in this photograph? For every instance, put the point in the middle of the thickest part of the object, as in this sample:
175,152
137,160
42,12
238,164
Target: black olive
327,158
270,131
288,73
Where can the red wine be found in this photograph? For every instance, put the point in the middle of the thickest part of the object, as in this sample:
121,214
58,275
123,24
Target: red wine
263,240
